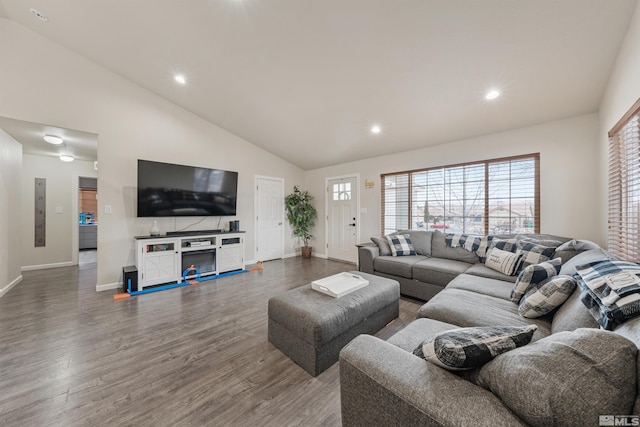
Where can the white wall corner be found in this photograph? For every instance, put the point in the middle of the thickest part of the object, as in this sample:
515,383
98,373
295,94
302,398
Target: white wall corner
10,285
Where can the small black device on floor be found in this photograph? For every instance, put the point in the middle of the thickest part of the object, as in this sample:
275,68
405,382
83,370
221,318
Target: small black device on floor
130,274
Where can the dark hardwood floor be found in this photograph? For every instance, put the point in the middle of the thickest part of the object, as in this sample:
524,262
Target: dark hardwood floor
189,356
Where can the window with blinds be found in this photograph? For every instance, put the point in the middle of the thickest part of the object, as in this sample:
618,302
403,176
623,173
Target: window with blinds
489,197
624,186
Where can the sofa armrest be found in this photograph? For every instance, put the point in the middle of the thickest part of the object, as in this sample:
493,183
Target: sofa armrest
367,252
381,384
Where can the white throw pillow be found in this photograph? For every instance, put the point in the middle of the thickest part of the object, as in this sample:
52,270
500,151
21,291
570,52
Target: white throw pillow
503,261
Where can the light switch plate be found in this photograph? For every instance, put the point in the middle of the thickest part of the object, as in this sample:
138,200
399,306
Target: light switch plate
59,209
107,209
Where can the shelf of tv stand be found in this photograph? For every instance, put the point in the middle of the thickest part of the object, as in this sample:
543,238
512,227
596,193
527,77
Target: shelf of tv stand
159,258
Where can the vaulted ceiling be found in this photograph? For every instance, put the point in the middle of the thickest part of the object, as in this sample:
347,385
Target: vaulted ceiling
306,80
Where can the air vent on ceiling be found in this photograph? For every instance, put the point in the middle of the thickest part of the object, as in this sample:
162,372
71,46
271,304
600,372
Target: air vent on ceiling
39,15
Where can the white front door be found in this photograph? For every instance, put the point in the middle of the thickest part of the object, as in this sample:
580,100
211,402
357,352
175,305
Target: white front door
269,218
342,218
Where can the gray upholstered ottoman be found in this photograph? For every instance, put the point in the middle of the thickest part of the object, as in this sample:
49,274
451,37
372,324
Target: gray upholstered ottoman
311,328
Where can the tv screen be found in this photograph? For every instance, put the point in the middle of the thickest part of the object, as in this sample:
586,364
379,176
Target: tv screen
165,189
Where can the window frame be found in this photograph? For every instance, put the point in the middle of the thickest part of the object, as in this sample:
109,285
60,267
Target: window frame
487,163
623,217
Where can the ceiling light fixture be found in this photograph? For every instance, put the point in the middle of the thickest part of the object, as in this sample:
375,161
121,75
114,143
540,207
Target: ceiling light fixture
66,158
39,15
375,129
52,139
492,94
180,79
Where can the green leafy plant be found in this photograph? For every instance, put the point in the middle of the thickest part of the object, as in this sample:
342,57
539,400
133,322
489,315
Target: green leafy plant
300,213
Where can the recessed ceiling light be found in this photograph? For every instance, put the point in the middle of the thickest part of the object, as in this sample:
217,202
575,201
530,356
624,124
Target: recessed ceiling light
66,158
492,94
52,139
375,129
180,79
39,15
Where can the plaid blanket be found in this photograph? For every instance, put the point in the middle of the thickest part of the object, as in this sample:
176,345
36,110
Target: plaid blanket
476,244
611,290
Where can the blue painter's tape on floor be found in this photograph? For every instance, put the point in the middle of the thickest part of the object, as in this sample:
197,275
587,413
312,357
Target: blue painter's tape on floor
179,285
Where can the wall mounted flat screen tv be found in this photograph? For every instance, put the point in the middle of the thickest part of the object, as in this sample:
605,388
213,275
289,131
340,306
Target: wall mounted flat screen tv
165,189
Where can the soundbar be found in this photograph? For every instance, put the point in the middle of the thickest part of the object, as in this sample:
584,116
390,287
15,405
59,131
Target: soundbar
191,233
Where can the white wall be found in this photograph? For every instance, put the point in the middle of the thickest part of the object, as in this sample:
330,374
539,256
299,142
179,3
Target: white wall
623,90
10,167
131,123
59,185
568,160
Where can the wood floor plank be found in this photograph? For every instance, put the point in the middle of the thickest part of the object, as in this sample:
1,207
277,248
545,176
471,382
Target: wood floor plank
190,356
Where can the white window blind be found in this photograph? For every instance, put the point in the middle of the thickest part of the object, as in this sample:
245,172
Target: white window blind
488,197
624,186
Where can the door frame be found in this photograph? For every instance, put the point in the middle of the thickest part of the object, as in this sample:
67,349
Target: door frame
75,225
255,213
355,175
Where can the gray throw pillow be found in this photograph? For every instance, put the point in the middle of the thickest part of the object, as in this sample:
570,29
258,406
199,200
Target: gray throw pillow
383,245
469,348
547,296
578,245
568,378
532,275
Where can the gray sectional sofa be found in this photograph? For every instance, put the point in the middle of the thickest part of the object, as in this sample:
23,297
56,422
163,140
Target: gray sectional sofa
570,374
435,264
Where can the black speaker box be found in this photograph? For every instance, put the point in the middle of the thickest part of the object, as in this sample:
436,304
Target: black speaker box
234,225
130,278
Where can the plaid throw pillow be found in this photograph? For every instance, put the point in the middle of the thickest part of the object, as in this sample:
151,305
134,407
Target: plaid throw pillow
469,348
546,297
476,244
509,245
400,245
611,291
534,254
532,275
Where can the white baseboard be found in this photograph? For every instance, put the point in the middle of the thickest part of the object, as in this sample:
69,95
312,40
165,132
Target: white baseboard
323,256
108,286
291,255
10,285
45,266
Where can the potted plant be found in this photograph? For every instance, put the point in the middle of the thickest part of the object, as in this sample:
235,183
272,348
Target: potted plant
301,215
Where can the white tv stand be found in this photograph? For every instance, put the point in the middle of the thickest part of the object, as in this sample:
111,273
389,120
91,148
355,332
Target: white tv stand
162,260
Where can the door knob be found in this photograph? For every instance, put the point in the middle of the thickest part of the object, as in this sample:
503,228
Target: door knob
352,225
279,223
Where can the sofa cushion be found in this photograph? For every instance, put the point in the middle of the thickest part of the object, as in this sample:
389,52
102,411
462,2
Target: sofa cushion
421,240
534,254
572,315
586,257
547,296
400,245
466,309
532,275
440,249
484,271
482,285
418,331
469,348
438,271
504,262
397,266
383,245
566,378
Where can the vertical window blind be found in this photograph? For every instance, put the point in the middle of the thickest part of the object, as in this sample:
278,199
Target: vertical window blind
624,186
487,197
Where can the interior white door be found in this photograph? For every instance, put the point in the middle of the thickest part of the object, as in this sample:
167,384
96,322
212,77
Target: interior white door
342,225
269,218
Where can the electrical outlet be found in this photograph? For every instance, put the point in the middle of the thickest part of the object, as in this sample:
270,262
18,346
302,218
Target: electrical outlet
59,209
108,209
